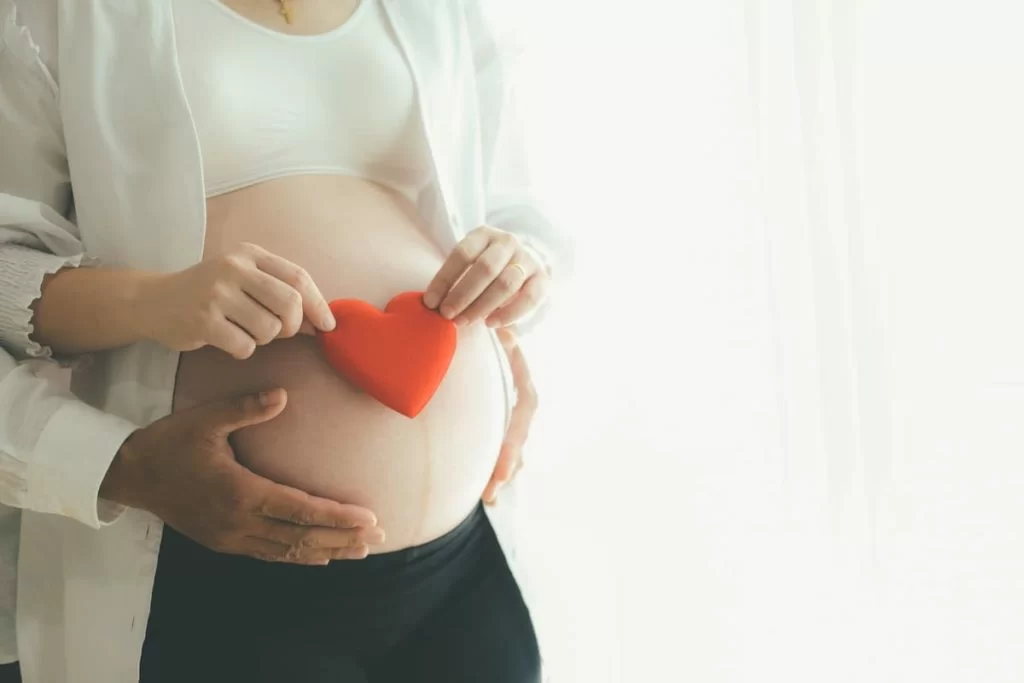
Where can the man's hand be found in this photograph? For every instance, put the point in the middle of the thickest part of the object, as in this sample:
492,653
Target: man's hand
510,459
182,469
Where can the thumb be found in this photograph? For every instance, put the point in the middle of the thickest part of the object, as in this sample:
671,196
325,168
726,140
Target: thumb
230,415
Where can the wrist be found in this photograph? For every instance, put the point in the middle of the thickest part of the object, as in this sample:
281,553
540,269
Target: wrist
121,483
140,303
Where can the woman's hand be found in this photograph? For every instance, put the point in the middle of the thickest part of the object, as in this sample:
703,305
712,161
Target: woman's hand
489,276
245,298
510,459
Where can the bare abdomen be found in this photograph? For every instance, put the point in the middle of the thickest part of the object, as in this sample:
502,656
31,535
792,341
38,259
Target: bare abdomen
420,476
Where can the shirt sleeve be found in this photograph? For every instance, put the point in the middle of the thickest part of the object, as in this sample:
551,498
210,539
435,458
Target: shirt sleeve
55,450
36,237
514,203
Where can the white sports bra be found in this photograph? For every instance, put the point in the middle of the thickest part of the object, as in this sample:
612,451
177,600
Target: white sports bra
268,104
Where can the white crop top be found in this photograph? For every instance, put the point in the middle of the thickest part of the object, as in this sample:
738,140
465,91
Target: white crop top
269,104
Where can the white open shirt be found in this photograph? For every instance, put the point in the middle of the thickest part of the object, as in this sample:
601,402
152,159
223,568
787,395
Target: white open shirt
91,99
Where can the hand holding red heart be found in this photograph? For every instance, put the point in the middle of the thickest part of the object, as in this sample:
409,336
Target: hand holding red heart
490,276
237,301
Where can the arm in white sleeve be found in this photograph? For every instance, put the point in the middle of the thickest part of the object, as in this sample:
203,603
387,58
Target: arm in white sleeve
54,449
36,237
514,203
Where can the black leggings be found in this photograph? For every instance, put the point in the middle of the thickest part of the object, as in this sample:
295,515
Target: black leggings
446,611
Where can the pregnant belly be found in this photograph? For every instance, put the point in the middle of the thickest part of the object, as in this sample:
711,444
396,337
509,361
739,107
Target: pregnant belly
419,476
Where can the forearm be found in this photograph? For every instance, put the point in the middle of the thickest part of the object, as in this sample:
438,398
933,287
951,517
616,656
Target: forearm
55,450
82,310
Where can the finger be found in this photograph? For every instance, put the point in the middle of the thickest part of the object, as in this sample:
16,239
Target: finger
357,552
259,323
307,328
231,339
288,504
314,305
506,463
270,551
499,292
282,300
525,407
528,300
491,491
310,537
226,416
482,273
464,255
509,339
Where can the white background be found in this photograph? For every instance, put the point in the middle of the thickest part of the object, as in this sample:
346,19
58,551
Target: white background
781,427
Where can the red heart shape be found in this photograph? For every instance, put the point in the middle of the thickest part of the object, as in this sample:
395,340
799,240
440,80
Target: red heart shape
398,356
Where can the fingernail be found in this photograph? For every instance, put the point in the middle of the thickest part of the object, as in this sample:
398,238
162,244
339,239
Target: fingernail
492,323
447,311
324,563
431,300
461,320
264,397
329,323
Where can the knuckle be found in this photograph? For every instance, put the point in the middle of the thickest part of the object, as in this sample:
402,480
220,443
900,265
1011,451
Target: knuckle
302,517
269,333
209,312
307,541
220,291
290,326
298,277
462,252
293,299
234,262
276,327
509,279
293,553
490,269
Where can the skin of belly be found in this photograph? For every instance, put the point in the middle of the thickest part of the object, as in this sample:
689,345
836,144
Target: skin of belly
357,240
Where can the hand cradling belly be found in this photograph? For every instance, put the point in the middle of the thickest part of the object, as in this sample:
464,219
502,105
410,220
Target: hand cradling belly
420,476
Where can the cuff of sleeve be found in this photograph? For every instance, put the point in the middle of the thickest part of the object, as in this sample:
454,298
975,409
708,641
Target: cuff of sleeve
21,283
74,453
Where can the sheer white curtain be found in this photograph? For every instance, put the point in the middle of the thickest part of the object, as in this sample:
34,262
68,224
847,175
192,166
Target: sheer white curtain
781,427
